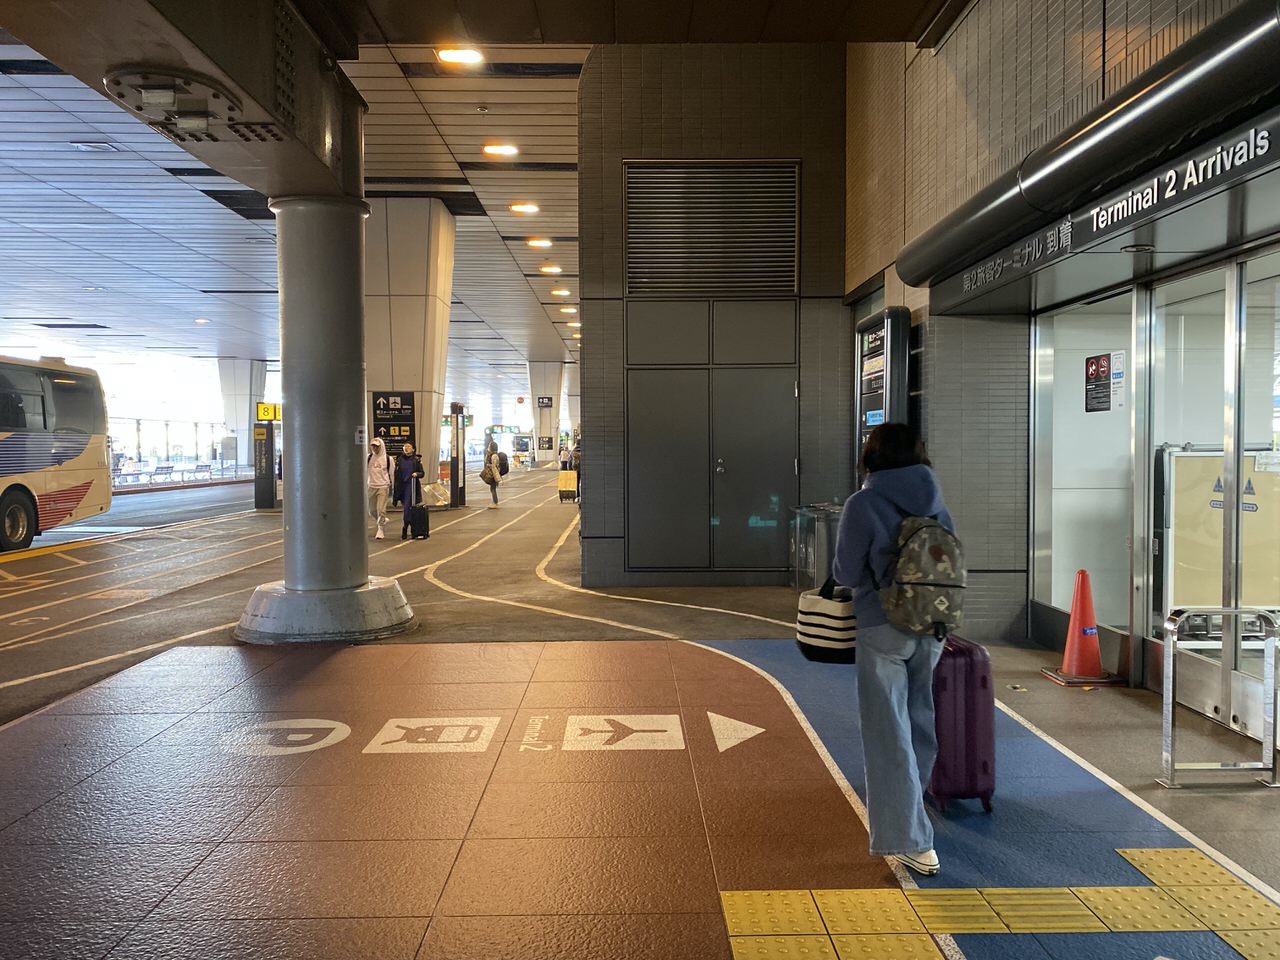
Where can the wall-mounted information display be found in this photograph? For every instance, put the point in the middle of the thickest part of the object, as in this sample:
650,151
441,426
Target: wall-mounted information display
881,356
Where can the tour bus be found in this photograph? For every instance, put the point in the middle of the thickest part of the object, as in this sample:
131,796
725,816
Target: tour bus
53,448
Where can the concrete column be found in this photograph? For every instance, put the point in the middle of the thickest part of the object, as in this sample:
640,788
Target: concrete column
244,383
546,379
409,272
573,394
327,593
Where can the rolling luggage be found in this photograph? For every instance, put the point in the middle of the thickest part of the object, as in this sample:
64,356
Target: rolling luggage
419,522
567,484
965,718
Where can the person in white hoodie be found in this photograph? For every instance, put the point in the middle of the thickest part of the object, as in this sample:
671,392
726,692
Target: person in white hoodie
379,472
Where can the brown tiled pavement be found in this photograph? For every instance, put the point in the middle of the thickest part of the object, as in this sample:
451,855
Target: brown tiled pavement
144,819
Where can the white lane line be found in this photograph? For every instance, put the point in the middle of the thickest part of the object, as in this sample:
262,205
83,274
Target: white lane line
543,575
80,598
70,559
1262,887
430,576
950,949
117,656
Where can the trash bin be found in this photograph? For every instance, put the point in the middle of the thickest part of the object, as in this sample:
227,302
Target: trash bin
813,544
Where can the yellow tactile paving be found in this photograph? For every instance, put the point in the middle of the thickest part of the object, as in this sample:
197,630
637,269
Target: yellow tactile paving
1177,866
867,911
1235,907
955,911
1042,910
1137,909
886,947
1254,944
763,913
782,948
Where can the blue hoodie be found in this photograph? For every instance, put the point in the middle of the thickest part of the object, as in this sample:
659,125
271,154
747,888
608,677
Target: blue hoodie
867,542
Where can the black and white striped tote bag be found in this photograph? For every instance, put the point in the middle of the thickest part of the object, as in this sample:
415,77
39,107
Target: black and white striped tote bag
826,628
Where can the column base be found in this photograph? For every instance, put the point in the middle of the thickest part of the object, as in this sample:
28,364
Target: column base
371,612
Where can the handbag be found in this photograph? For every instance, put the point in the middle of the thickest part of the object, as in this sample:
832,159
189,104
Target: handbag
826,627
486,475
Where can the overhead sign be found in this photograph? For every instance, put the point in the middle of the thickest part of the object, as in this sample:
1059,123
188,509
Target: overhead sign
393,419
1195,175
546,443
269,411
544,403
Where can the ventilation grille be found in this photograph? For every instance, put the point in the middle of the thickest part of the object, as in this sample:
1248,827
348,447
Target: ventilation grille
711,228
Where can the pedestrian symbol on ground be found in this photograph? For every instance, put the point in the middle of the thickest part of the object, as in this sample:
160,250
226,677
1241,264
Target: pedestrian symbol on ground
730,732
623,732
279,738
434,735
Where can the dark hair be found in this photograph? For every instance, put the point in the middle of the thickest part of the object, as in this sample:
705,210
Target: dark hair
891,446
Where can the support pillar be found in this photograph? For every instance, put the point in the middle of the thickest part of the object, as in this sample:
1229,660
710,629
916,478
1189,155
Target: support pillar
573,394
546,379
244,383
409,269
326,593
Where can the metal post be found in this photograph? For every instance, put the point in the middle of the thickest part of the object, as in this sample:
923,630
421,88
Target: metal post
326,592
1269,709
137,432
1169,692
167,458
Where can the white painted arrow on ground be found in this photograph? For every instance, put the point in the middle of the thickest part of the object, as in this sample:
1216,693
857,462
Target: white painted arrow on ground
730,732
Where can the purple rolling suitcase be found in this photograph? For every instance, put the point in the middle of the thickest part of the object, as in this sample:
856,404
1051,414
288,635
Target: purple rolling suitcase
965,708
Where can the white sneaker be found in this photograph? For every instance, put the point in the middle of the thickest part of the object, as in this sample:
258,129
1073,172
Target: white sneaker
378,535
925,864
493,506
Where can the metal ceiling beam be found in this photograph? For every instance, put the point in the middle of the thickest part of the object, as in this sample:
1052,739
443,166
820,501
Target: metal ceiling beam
264,101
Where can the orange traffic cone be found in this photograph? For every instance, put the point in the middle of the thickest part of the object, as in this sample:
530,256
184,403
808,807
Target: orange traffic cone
1081,663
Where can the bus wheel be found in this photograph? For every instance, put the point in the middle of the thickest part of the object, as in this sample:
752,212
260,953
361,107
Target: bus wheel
17,520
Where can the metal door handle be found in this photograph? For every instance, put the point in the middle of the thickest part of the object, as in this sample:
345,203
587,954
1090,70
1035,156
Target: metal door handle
720,469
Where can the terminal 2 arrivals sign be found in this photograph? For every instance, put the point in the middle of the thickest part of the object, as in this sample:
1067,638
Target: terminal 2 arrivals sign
1194,176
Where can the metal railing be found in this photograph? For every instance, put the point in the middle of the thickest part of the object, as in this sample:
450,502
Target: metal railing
1267,765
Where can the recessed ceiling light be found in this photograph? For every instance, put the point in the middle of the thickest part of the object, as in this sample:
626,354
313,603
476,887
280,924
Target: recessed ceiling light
550,268
568,309
501,149
459,55
260,240
94,146
574,323
539,242
524,208
202,320
1138,248
577,336
95,289
560,292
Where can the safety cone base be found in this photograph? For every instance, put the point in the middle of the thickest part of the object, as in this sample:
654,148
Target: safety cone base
1067,680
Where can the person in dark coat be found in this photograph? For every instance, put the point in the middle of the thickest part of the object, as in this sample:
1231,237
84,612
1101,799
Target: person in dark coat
408,489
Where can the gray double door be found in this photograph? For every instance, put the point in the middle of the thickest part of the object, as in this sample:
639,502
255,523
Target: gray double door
711,467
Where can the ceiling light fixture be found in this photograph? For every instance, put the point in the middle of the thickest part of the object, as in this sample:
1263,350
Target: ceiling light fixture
550,268
94,146
459,55
202,320
568,309
540,242
500,149
560,292
577,336
574,323
1138,248
94,289
524,208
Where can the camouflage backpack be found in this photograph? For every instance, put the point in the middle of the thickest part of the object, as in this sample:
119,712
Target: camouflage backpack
925,593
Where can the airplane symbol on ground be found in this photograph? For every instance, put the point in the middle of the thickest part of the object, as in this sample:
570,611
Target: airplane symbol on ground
618,731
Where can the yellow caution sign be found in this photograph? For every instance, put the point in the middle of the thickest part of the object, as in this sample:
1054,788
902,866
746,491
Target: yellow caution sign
269,411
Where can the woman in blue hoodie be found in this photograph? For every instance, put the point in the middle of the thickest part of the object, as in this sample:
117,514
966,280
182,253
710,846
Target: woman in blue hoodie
895,669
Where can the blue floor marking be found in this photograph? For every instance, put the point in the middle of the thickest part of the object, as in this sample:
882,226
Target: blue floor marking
1054,824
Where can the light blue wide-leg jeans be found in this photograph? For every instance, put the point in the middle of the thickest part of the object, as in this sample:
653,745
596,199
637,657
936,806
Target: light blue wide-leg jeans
899,745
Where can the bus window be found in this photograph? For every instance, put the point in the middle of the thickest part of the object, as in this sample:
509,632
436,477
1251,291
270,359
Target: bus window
21,399
77,405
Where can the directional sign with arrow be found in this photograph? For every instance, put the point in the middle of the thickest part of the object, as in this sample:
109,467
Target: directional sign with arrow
393,418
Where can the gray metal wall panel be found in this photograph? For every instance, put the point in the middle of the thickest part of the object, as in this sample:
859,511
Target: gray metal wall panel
668,468
754,331
668,331
826,401
603,419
